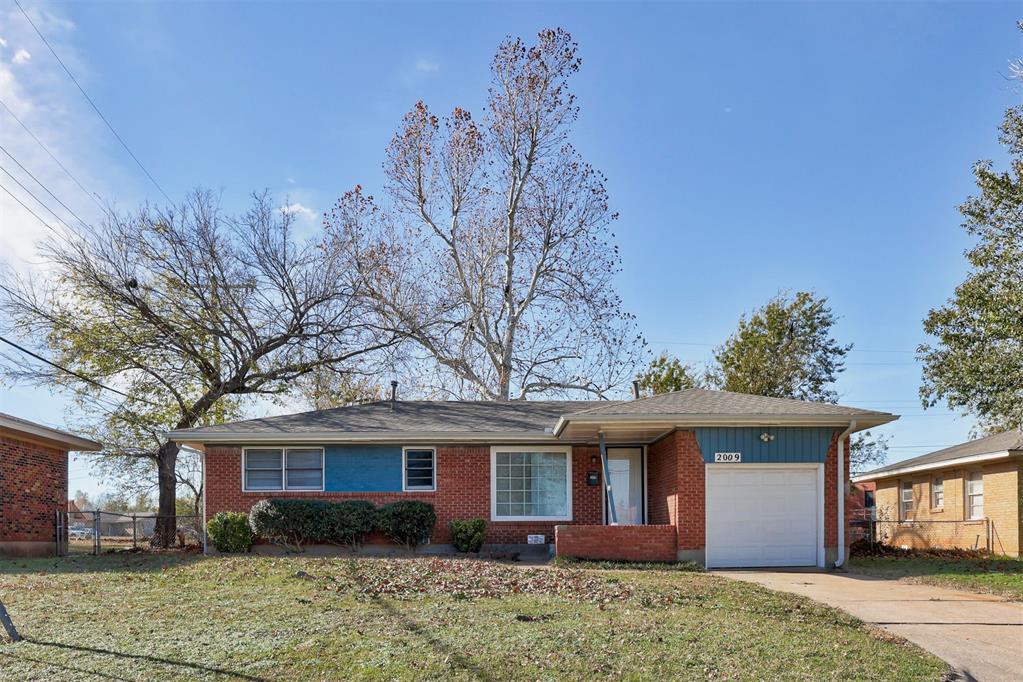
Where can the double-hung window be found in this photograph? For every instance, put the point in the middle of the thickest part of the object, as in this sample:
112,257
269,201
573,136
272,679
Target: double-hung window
282,469
938,492
419,469
531,483
906,501
975,495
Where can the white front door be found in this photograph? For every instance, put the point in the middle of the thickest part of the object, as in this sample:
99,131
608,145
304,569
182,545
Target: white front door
764,515
625,468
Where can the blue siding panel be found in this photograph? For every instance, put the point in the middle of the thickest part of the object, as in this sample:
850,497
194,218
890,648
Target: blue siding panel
791,445
362,468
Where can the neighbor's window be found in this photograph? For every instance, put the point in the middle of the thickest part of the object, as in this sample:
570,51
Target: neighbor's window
531,483
938,492
906,501
283,469
419,469
868,499
975,495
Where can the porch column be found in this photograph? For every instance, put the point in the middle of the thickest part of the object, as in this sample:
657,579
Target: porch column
611,511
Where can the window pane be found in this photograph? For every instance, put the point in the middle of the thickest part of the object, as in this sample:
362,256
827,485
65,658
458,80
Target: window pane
263,479
419,469
263,459
304,479
304,459
531,484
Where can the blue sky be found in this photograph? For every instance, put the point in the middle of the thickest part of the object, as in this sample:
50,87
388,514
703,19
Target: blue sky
749,148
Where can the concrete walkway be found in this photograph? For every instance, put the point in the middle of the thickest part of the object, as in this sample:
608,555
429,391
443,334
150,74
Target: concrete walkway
981,636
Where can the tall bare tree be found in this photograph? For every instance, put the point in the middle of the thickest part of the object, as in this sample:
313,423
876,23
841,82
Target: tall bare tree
496,239
186,310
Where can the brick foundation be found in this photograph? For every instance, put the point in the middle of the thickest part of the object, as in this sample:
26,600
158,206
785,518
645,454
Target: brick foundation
33,486
617,543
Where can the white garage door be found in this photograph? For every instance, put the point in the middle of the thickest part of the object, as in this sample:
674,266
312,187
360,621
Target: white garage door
762,515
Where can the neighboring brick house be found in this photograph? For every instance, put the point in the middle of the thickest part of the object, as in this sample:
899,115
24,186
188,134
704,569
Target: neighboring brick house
33,484
721,478
964,496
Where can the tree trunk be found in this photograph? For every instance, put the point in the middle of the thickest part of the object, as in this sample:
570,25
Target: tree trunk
165,532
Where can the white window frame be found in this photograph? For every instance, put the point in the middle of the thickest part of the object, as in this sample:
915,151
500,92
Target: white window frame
935,487
494,449
968,506
284,469
902,502
404,470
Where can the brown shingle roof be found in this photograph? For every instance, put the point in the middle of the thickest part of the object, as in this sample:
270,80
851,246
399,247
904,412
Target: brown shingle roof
1011,440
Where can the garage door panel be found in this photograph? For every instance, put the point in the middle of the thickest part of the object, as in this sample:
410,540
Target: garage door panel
762,516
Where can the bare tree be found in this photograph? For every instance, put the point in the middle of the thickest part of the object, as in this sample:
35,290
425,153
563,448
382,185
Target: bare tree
494,253
185,310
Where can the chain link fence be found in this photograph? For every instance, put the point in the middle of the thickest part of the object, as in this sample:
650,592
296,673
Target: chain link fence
96,532
974,534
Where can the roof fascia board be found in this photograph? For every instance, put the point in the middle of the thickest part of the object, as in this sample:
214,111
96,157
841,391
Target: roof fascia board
53,435
687,420
943,464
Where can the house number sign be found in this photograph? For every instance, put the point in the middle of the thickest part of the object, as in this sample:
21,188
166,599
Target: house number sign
727,457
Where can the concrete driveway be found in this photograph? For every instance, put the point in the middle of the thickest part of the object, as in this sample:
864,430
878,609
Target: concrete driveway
981,636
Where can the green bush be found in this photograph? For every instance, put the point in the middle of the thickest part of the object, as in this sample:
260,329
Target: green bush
467,535
294,523
350,521
409,522
230,532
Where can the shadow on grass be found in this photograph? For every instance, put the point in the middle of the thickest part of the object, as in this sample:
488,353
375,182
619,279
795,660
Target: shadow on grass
104,563
409,624
137,657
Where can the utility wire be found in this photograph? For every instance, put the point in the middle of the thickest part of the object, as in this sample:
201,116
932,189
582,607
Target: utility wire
91,103
40,183
84,378
24,206
51,155
41,203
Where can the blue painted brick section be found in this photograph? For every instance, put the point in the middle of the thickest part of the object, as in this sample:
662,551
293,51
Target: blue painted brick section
362,468
791,445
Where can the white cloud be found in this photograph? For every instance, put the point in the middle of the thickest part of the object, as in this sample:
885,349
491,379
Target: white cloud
424,65
21,56
3,43
303,212
291,181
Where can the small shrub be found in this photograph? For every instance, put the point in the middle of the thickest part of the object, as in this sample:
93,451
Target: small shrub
230,532
467,535
408,522
350,521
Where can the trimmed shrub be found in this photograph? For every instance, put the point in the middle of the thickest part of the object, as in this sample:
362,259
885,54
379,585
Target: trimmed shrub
294,523
408,522
467,535
350,521
230,532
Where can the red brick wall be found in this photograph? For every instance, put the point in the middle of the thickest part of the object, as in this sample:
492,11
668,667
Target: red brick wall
691,492
831,493
463,492
617,543
33,485
662,482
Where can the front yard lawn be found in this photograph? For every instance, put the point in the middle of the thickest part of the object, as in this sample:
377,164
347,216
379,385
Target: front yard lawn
991,574
264,618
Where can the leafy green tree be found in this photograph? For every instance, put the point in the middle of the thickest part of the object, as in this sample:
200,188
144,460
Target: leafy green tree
976,364
666,374
867,451
784,350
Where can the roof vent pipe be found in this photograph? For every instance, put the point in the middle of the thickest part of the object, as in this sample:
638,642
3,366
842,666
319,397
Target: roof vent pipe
394,392
635,389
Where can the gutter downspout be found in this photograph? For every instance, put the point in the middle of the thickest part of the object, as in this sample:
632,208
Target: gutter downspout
840,560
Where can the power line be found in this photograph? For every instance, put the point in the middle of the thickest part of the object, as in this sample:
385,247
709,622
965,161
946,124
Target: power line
24,206
91,103
38,182
84,378
51,155
41,203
